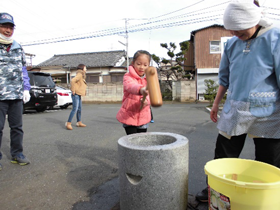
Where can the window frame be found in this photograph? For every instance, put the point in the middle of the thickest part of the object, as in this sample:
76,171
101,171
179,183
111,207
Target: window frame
210,44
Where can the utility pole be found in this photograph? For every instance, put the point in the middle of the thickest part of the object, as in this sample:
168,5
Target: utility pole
126,37
126,44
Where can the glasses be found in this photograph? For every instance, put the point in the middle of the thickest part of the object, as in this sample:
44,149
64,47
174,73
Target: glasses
8,26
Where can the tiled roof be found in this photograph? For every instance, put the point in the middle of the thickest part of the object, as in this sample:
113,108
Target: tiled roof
129,62
93,59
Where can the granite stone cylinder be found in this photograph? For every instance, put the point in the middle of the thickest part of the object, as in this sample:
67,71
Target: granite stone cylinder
153,171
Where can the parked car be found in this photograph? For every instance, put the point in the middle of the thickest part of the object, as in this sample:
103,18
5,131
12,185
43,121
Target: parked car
64,98
42,92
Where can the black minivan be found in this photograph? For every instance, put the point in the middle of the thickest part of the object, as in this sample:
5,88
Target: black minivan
42,92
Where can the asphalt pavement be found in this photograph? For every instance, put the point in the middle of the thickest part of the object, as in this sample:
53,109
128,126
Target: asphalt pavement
78,169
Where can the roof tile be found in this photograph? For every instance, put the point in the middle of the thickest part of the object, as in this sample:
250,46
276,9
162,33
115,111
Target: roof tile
90,59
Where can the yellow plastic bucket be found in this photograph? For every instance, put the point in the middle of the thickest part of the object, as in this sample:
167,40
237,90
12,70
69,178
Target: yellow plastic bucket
240,184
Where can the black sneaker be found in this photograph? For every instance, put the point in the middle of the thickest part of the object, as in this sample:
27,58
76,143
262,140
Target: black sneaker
202,196
20,159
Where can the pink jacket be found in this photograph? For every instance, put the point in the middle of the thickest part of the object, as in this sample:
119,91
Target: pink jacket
130,113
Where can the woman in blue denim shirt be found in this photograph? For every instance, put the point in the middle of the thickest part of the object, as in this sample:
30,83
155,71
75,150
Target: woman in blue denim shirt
250,74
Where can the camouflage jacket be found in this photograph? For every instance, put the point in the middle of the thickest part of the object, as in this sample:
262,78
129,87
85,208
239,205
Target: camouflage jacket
13,74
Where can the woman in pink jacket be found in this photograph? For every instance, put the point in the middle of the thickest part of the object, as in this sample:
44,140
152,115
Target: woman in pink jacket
135,112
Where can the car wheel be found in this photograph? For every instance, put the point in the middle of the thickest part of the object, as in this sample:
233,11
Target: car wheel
64,107
41,109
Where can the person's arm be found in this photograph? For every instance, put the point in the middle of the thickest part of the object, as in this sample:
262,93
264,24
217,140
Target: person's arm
77,78
26,83
223,85
131,86
215,108
276,58
25,77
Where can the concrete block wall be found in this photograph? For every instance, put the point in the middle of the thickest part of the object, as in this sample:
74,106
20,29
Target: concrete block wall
188,90
184,91
110,92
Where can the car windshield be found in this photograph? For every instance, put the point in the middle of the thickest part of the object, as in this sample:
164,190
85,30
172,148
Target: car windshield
41,80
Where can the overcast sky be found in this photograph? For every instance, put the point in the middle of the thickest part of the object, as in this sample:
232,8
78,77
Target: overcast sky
149,23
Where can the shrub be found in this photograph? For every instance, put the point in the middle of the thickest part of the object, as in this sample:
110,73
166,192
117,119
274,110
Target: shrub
211,91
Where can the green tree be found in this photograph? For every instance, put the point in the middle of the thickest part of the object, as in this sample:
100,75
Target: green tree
172,69
211,90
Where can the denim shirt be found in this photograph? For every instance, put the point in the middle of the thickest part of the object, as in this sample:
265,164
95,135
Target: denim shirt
251,72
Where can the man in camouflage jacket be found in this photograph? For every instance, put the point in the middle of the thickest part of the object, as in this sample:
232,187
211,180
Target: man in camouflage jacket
14,87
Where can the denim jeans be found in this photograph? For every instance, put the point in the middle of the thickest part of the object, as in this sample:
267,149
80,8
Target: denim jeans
12,108
76,108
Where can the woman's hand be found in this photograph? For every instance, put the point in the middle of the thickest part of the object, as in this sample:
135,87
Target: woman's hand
215,108
214,112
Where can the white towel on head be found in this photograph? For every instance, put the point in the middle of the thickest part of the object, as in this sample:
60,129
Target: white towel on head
243,14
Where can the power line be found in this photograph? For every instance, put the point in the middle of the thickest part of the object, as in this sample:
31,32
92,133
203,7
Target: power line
271,8
171,18
113,31
138,27
177,10
274,14
121,32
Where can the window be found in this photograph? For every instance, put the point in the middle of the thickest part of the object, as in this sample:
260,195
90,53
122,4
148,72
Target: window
215,47
93,79
116,78
106,79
